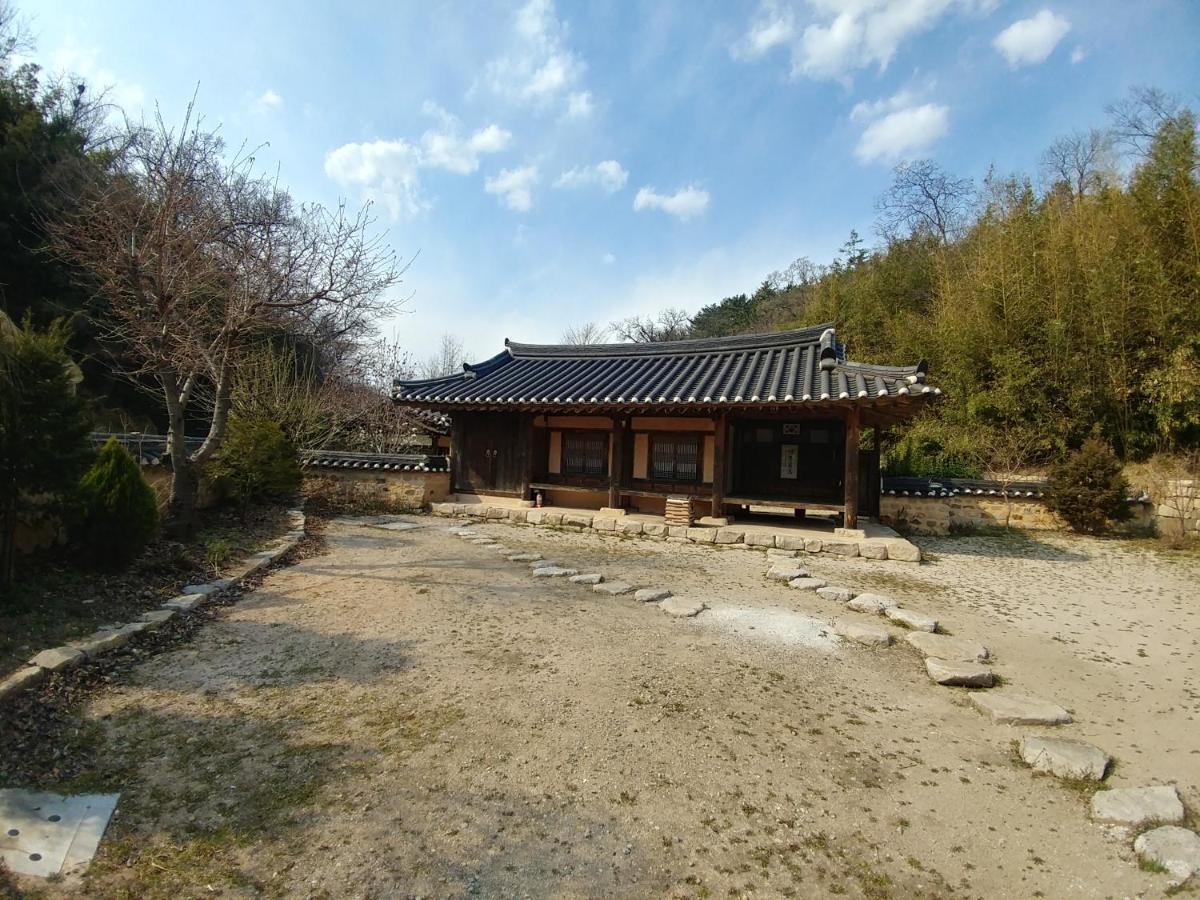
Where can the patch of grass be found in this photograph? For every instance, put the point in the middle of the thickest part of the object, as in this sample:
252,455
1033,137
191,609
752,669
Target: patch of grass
1152,865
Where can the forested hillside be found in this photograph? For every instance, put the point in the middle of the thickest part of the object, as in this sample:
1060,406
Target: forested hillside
1049,305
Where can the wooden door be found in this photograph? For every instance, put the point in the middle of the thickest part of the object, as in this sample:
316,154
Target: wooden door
490,451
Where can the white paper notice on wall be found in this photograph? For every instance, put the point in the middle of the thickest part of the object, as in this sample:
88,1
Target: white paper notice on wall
789,460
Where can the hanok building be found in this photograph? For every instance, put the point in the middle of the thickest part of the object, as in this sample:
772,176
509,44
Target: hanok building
764,420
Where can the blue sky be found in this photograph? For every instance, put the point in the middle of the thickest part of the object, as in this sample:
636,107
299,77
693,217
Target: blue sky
556,163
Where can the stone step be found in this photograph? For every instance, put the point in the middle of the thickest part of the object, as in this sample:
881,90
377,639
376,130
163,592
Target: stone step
1135,807
959,674
1065,758
1006,708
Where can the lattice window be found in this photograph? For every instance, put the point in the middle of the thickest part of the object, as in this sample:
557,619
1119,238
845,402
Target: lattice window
585,453
675,458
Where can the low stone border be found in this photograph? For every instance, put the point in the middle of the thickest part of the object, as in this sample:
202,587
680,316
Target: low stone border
111,637
896,548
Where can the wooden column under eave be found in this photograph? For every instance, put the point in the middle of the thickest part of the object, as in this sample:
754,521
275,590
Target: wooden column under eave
720,469
851,479
617,461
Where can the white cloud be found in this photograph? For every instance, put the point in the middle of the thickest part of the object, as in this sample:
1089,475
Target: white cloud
447,150
684,204
266,101
899,127
383,171
514,187
830,39
1028,42
609,175
1078,55
579,105
540,69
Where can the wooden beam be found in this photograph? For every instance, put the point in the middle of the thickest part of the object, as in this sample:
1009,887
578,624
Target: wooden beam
617,461
851,479
720,438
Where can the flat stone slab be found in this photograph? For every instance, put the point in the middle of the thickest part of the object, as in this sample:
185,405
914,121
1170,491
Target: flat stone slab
682,607
156,618
860,633
871,603
204,590
45,834
1020,709
836,594
589,578
1175,849
652,595
554,572
1065,758
805,583
541,563
21,680
58,658
910,618
945,646
615,588
185,602
525,557
959,674
1135,807
483,541
786,573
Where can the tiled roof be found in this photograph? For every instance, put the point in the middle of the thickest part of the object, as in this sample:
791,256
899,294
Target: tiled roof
924,486
389,462
806,365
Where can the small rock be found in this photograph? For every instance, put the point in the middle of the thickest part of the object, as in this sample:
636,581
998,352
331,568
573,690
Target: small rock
871,603
807,584
591,578
614,588
554,572
1065,758
1020,709
525,557
959,674
944,646
58,658
869,635
786,573
652,595
1136,807
1175,849
836,594
912,619
682,608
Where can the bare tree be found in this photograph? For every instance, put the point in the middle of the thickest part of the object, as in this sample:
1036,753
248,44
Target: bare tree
1136,119
1083,160
924,199
587,333
1004,453
195,254
672,324
446,361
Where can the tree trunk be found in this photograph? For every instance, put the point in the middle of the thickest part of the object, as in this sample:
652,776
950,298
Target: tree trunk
185,474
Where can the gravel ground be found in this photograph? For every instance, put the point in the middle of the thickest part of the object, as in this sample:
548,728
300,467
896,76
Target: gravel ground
413,715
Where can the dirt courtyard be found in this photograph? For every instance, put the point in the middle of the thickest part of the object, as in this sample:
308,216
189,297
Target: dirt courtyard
413,715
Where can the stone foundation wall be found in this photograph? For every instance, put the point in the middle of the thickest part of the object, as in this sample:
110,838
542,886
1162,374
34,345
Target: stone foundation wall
398,490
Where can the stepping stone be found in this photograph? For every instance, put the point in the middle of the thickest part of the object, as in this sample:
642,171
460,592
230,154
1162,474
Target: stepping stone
21,680
1020,709
58,658
871,603
540,563
807,584
614,588
592,578
156,618
682,608
1065,758
959,674
553,572
652,595
868,635
1175,849
184,603
776,553
466,533
944,646
786,573
204,590
836,594
912,619
1136,807
525,557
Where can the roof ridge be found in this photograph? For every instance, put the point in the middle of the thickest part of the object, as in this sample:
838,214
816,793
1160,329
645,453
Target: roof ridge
759,340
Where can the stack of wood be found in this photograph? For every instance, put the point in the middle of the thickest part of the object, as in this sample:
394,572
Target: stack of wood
679,511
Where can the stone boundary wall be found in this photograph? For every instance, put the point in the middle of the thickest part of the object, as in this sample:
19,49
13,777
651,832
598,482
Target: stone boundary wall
894,548
395,489
944,515
113,637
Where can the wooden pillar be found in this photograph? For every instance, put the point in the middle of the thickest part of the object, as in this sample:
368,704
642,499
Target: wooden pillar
617,461
526,426
851,479
720,436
